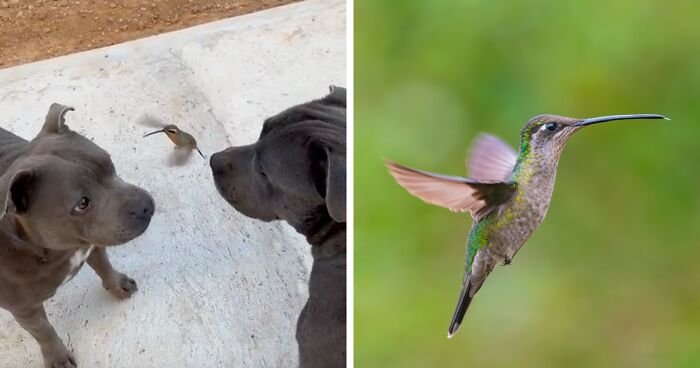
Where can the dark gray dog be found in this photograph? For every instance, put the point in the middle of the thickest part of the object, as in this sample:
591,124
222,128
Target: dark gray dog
296,172
61,203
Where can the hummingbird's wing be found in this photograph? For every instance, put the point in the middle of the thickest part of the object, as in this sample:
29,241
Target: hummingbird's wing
150,121
490,158
180,156
453,192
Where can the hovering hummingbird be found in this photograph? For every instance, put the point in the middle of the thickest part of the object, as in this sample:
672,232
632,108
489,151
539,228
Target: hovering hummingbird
184,142
507,193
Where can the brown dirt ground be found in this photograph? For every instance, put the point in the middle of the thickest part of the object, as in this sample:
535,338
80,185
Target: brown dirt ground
32,30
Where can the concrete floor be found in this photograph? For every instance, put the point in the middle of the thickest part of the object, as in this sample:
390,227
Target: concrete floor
216,289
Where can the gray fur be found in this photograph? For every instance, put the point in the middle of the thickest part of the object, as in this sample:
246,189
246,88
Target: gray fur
45,234
296,172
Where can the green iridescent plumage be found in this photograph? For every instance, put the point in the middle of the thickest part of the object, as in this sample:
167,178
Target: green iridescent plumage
508,194
478,235
476,240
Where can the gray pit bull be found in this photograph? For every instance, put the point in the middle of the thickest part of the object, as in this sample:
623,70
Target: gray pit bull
296,172
62,204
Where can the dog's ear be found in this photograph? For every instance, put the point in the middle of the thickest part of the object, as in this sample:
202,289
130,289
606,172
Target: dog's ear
335,186
17,192
337,96
55,119
329,175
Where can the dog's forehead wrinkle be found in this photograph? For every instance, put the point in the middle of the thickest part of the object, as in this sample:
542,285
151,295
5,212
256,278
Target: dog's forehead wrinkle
83,152
90,164
319,110
67,144
304,135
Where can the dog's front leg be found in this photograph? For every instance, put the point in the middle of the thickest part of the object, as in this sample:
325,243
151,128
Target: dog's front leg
117,283
321,327
55,354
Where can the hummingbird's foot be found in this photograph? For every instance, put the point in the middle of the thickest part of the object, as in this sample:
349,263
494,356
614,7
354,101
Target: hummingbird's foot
507,261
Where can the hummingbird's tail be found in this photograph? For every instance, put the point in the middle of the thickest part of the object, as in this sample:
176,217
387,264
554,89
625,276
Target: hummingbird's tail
462,305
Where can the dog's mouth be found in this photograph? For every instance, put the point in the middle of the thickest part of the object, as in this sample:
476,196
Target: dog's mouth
228,194
125,234
235,203
222,191
120,236
268,219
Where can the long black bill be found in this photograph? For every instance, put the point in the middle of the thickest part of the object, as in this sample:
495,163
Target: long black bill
603,119
201,154
157,131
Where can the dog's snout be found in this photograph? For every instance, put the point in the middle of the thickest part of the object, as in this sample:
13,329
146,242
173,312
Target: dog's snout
142,208
220,163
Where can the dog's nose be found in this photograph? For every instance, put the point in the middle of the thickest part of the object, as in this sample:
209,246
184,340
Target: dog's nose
144,208
219,163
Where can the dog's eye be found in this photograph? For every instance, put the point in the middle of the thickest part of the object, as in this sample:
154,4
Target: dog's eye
261,171
258,165
82,206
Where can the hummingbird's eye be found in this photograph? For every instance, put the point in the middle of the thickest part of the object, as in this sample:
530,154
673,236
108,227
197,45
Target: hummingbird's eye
172,131
551,127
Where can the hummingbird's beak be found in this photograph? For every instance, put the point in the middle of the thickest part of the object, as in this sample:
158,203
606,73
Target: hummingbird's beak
201,154
157,131
603,119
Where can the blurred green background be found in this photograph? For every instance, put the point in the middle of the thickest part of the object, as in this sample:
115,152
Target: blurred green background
612,277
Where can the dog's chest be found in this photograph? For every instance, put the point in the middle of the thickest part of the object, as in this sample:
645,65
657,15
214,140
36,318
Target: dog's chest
77,261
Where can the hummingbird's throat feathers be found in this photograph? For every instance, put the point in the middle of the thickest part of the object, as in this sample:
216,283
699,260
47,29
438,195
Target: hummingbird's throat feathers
540,150
173,137
537,172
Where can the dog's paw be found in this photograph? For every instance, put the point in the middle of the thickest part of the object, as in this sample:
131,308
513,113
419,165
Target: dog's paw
62,360
121,286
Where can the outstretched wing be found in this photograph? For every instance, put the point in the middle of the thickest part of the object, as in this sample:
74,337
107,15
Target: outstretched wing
150,121
490,158
453,192
179,156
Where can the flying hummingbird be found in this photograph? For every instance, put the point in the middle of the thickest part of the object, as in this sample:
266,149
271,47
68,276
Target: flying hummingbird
184,142
507,193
